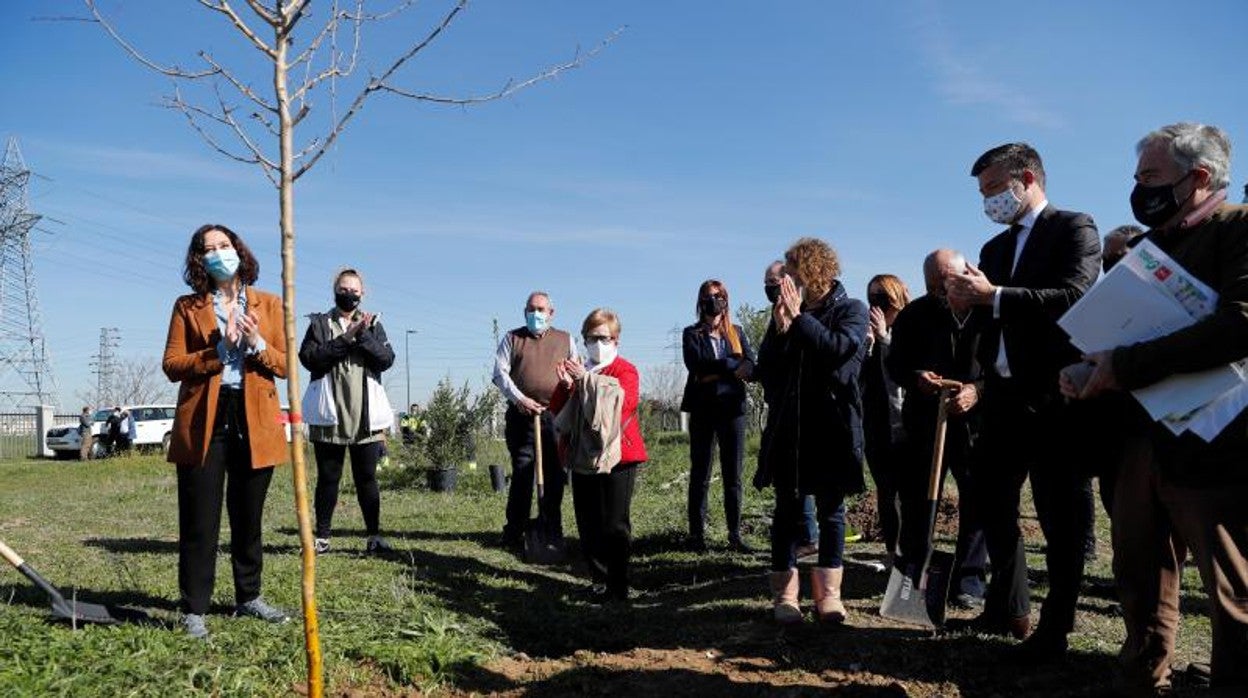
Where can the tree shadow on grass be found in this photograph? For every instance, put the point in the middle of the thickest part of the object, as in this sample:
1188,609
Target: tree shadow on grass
538,612
166,547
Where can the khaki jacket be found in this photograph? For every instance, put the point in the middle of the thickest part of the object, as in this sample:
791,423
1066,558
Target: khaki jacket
191,359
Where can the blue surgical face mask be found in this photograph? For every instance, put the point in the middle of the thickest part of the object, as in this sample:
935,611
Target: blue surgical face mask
536,321
221,264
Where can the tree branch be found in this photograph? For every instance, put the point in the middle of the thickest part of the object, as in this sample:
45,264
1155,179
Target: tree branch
360,16
292,15
263,12
268,125
228,119
223,6
245,90
190,110
173,72
376,84
335,69
511,87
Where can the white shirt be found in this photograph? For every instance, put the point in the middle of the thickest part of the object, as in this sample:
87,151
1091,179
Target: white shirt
1027,221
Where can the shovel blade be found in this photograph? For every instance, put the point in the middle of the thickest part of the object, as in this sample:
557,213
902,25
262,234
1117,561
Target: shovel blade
78,612
540,548
916,592
904,600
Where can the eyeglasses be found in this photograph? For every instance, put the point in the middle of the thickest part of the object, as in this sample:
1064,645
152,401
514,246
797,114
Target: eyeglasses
597,338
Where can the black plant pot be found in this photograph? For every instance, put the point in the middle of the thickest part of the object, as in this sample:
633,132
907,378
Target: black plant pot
442,479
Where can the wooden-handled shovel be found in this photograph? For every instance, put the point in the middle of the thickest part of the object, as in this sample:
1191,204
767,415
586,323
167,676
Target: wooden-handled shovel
540,547
917,589
73,611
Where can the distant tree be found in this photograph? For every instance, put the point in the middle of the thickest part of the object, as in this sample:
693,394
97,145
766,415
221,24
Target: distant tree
753,322
254,119
141,381
664,384
136,381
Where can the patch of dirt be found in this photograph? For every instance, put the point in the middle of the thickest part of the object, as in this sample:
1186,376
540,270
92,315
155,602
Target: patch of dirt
862,515
679,672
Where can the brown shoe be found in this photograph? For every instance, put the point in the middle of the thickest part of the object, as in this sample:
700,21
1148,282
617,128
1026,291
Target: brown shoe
1020,627
984,624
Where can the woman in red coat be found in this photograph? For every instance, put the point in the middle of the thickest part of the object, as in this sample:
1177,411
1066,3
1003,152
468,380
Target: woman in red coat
602,500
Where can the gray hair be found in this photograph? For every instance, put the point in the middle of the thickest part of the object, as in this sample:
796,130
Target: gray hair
1193,145
931,272
541,293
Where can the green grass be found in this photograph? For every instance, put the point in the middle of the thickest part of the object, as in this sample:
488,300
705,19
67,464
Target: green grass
440,614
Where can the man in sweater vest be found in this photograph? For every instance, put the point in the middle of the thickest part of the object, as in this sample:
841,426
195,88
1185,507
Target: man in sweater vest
524,370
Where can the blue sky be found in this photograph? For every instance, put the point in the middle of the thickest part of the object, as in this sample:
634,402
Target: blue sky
699,144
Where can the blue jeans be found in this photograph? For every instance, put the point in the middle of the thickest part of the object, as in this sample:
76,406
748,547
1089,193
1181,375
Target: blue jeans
809,521
789,526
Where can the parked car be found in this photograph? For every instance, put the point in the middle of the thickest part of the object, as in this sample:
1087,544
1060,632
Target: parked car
152,425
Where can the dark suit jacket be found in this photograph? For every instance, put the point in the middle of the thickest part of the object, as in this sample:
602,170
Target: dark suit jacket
721,389
1059,262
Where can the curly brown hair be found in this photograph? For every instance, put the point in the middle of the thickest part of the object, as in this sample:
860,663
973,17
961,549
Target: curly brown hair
196,275
814,263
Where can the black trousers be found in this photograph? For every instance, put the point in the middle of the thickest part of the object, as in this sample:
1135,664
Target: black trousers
602,504
200,494
971,551
521,444
364,459
1021,439
705,428
887,464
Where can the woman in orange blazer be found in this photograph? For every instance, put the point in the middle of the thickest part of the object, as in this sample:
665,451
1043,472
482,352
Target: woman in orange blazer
225,346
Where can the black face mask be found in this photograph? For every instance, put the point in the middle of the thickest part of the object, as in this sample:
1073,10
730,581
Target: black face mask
712,306
880,300
1155,205
346,302
772,292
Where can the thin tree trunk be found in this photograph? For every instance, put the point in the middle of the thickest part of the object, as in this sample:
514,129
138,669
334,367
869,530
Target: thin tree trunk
286,195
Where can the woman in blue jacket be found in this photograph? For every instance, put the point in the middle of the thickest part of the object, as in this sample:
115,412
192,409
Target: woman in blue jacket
719,360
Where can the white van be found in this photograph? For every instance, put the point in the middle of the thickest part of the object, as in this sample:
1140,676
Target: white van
153,426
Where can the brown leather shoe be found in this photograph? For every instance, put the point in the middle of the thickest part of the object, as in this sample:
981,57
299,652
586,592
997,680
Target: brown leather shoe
1020,628
985,624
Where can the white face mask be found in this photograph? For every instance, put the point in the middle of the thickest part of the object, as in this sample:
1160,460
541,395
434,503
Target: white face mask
602,351
1003,208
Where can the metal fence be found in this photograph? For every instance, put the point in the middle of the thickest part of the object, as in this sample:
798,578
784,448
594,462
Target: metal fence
18,432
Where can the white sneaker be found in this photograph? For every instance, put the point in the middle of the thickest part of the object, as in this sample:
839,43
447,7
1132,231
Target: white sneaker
195,627
320,545
259,608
